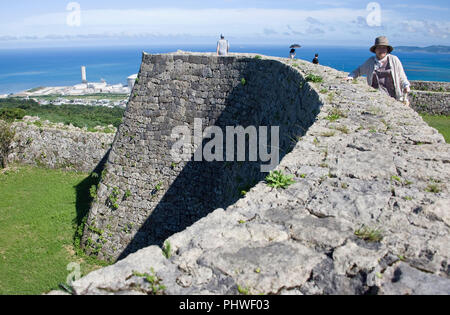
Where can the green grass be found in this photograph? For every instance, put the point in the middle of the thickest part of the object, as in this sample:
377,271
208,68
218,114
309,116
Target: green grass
40,211
77,115
441,123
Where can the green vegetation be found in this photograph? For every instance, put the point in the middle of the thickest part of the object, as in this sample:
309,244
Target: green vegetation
243,82
167,250
7,134
77,115
277,179
441,123
314,78
113,198
41,215
335,114
328,134
93,97
433,188
258,57
343,129
153,280
243,290
11,114
369,234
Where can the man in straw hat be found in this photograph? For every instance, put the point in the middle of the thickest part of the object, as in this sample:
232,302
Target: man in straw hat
384,71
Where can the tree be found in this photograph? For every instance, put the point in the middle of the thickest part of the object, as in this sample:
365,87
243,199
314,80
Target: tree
7,134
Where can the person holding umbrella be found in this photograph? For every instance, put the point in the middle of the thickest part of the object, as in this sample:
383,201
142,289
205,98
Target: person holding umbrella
292,52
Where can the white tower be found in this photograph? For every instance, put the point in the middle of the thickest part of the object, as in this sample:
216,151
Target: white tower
83,74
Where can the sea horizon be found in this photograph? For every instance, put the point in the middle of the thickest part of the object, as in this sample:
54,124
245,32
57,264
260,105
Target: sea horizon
26,68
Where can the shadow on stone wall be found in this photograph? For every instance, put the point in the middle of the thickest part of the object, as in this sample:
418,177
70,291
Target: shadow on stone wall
202,187
83,198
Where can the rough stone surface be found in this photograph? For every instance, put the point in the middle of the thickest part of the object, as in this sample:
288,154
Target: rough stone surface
367,161
58,146
165,196
430,97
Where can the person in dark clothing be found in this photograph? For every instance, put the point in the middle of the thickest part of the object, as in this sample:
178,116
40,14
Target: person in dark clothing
316,59
292,53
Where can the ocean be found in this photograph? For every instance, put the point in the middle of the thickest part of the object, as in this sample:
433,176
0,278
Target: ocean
23,69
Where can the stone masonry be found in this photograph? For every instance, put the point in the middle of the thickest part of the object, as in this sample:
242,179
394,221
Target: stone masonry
368,212
145,196
58,146
430,97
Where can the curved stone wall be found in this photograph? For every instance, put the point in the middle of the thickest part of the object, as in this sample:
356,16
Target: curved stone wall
367,214
145,196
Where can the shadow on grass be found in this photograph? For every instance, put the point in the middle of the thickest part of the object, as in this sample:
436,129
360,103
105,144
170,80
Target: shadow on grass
84,199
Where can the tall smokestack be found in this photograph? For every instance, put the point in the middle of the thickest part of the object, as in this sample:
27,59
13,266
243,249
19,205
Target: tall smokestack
83,74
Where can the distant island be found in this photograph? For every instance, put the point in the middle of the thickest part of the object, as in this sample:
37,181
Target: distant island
429,49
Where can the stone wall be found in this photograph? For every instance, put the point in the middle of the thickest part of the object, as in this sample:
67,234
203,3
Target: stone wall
367,214
58,146
145,196
434,86
430,97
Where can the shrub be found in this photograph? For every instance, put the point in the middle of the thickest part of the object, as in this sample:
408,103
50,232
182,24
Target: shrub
7,134
11,114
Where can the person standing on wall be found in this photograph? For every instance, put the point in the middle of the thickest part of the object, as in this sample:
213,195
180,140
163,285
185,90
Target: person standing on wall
384,71
316,59
292,53
223,47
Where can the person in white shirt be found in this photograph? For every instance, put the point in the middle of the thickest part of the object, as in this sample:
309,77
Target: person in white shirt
384,71
223,47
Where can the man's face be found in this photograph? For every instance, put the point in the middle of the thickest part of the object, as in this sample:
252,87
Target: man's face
381,51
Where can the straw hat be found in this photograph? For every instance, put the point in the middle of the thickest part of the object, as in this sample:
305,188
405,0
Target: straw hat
381,41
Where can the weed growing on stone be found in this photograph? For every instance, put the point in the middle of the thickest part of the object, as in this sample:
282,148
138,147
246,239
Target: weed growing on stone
369,234
153,280
335,114
396,178
343,129
113,198
314,78
276,179
93,192
433,188
328,134
243,82
243,290
324,91
330,97
258,57
167,249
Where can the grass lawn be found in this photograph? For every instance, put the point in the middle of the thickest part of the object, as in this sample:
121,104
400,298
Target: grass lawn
40,210
441,123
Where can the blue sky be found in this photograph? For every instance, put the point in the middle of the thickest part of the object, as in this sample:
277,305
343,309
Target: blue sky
27,23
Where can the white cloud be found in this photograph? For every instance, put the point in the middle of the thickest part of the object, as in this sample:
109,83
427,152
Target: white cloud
273,24
170,21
